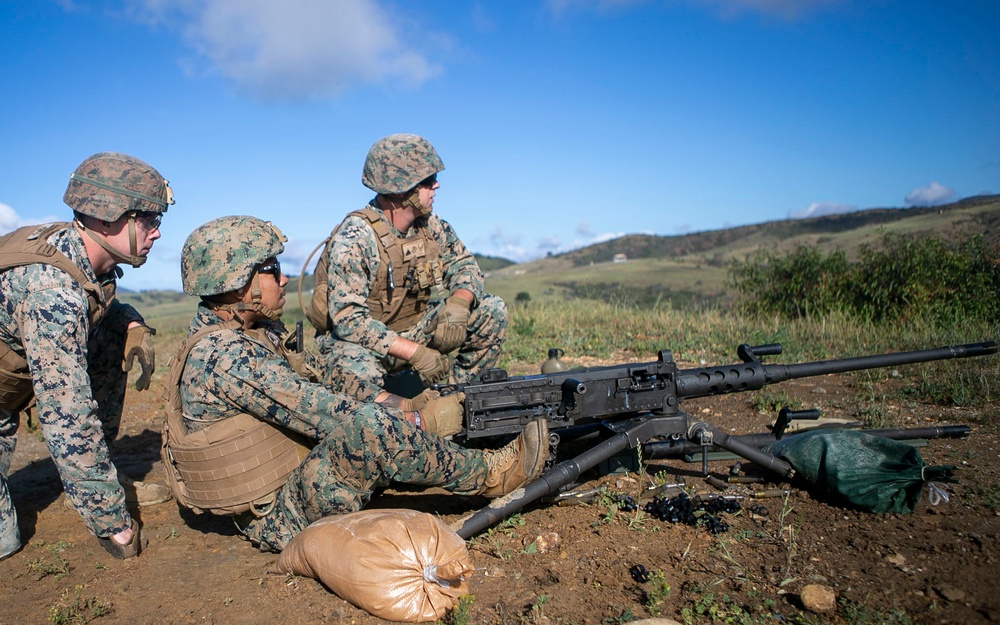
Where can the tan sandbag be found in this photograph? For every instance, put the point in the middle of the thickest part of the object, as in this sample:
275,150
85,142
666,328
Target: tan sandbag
400,565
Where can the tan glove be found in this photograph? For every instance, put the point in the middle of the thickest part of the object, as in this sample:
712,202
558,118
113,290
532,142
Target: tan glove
442,415
417,403
431,365
139,345
452,322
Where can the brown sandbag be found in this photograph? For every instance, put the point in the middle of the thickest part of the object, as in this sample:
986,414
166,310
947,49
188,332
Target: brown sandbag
400,565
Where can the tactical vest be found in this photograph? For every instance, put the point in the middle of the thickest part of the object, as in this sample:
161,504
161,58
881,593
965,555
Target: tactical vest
30,246
409,270
236,464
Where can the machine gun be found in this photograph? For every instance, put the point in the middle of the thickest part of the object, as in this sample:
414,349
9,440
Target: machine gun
639,404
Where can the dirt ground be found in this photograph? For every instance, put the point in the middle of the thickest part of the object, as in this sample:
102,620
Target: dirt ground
937,565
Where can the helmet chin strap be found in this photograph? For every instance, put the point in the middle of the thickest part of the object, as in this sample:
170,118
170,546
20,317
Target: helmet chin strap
132,258
413,199
254,305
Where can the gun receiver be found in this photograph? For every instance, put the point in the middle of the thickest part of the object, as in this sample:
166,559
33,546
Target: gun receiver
639,403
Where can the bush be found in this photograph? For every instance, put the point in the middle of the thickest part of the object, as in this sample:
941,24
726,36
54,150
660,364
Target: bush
801,284
901,278
925,276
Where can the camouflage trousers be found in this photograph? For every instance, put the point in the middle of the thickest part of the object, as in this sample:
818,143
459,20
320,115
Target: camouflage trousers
106,348
372,450
359,372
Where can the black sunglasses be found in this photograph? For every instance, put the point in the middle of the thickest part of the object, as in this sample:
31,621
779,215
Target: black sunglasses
271,268
429,181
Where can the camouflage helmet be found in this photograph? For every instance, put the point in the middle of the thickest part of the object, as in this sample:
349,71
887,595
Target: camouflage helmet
220,256
398,163
109,184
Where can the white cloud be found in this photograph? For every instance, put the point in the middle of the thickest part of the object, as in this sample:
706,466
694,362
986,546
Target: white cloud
929,195
298,48
819,209
10,220
599,238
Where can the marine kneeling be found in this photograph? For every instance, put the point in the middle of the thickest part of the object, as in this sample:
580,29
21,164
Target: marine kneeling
250,432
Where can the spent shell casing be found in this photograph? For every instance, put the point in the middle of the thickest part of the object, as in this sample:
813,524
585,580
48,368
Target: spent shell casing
579,496
716,482
771,492
679,484
745,479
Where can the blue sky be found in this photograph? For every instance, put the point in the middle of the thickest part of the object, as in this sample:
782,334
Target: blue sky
560,122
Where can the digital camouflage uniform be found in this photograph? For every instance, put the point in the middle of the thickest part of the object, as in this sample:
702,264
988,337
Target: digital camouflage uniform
77,377
358,446
73,347
355,350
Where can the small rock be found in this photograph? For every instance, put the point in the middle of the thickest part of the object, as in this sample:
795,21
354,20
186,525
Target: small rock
819,599
656,621
625,483
898,559
818,390
952,594
546,541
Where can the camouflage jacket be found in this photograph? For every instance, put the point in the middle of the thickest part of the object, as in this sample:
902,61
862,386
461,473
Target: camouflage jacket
44,318
229,372
352,266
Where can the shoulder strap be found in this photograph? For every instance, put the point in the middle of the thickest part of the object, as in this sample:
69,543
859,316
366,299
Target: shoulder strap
391,254
30,246
175,417
388,242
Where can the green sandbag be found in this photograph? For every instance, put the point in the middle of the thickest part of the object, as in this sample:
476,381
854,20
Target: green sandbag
860,470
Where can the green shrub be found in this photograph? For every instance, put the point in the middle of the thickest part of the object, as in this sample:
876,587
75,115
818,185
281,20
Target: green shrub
803,283
903,278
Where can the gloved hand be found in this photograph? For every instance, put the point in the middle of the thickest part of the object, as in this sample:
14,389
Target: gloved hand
417,403
452,322
431,365
139,344
442,415
130,549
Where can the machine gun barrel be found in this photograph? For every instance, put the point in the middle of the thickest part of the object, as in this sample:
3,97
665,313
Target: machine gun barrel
753,375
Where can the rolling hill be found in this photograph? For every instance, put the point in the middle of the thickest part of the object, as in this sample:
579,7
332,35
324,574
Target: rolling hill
692,267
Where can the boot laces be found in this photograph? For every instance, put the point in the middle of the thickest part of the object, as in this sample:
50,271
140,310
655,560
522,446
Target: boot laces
502,456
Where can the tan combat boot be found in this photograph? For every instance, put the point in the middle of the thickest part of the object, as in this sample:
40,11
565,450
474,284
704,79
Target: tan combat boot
137,494
143,493
523,459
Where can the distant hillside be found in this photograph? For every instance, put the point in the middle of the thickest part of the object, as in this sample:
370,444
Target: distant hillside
492,263
691,269
983,217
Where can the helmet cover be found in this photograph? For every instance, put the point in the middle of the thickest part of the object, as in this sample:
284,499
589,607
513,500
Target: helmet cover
109,184
397,164
220,256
